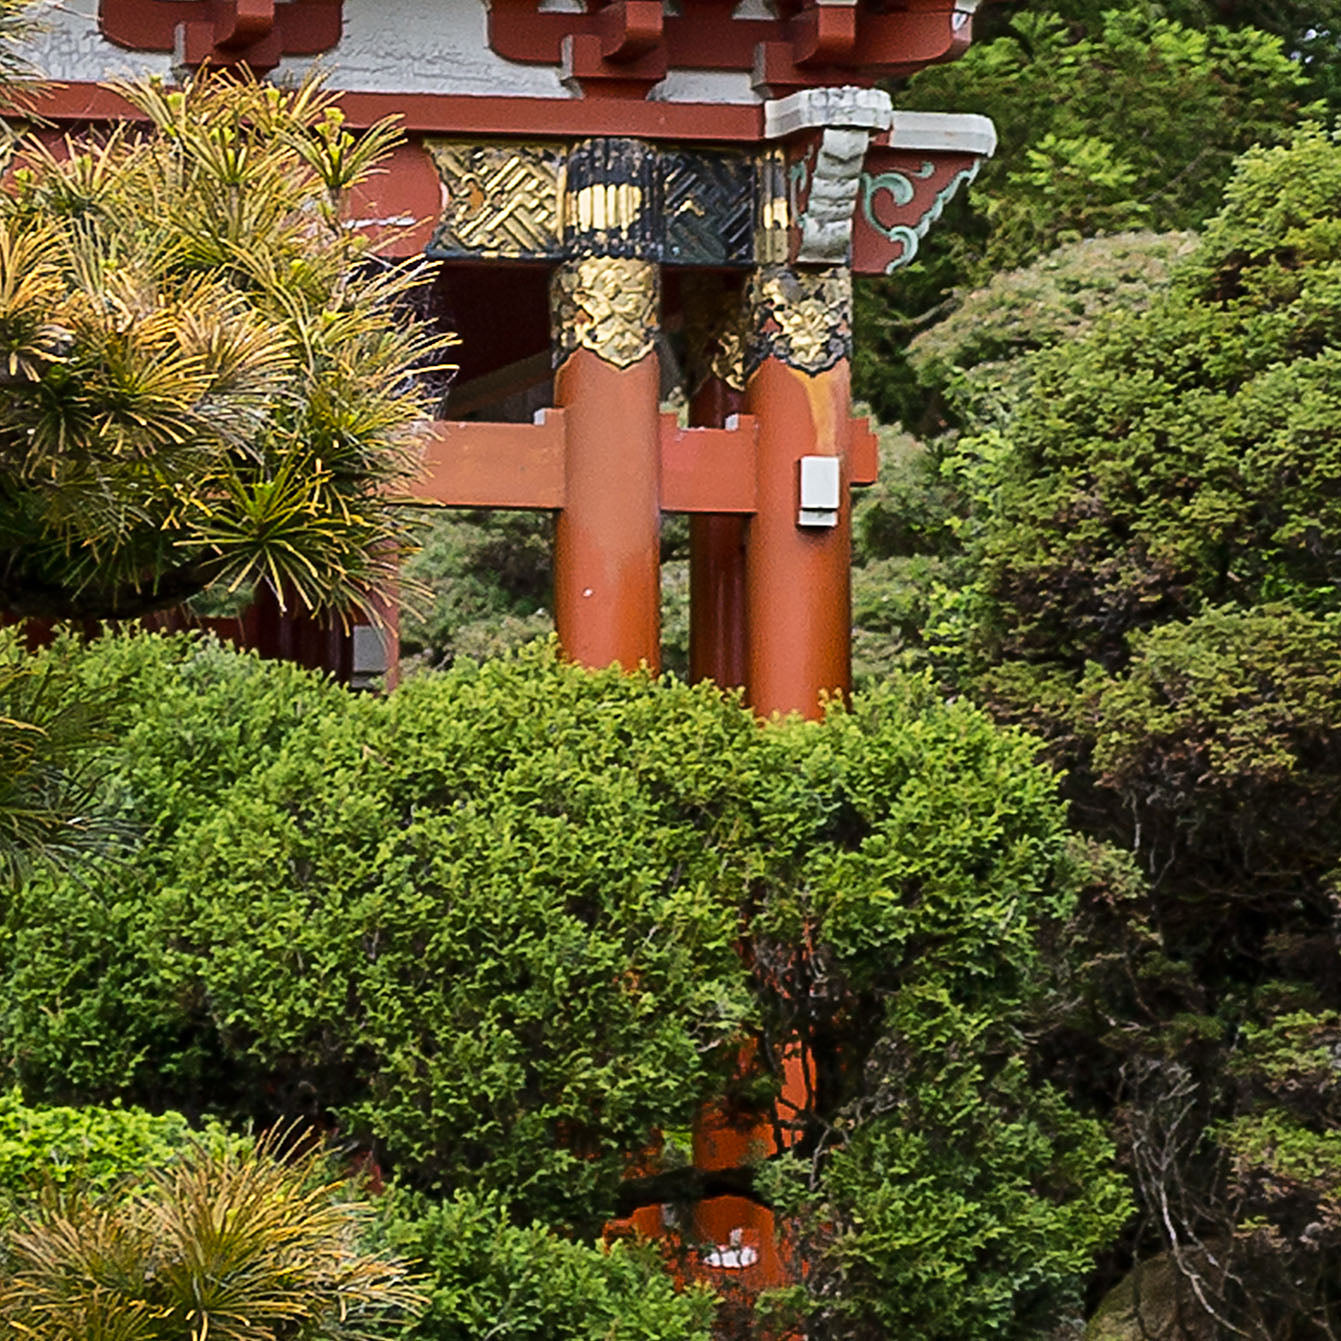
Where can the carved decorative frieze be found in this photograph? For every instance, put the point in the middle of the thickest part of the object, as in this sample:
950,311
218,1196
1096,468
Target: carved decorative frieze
708,208
501,199
824,198
607,304
610,199
801,317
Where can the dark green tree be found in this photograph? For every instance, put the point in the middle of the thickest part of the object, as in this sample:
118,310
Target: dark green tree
1155,550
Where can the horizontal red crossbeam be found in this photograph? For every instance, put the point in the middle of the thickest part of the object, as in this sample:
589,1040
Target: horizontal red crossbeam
470,465
460,114
706,470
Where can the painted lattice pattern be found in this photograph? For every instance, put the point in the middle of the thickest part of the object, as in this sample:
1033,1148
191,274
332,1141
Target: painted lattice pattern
708,208
502,199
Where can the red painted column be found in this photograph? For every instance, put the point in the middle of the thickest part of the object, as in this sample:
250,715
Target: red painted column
718,642
798,583
714,332
607,573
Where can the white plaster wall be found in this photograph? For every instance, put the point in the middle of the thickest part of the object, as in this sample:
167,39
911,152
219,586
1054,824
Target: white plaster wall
705,86
71,48
427,46
408,46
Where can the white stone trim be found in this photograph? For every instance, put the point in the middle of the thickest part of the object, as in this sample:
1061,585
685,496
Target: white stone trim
956,132
816,108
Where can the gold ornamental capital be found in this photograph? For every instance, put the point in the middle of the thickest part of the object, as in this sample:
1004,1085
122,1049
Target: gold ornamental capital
606,304
803,318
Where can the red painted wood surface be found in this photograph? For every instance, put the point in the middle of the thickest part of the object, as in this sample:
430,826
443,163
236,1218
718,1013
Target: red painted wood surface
717,635
607,538
708,469
493,465
459,114
798,580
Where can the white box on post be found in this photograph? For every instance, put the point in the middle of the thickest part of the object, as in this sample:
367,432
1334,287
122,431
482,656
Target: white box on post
820,484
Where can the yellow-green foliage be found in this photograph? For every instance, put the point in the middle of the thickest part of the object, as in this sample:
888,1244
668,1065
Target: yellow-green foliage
204,377
226,1242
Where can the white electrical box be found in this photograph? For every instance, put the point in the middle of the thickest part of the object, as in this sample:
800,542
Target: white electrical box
820,485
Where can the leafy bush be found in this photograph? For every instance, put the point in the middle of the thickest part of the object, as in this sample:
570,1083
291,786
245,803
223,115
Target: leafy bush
487,579
493,1278
94,1148
1186,456
207,371
494,924
1218,749
1081,97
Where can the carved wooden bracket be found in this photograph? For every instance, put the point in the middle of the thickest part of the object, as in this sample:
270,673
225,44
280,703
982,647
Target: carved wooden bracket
223,32
809,44
902,193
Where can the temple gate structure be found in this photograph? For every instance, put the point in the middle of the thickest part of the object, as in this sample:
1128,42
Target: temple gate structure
603,183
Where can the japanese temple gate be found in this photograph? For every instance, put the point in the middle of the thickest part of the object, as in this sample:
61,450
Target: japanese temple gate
593,177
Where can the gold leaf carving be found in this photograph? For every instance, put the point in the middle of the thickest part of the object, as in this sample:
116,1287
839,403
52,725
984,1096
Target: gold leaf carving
606,304
802,317
714,330
502,199
773,218
604,206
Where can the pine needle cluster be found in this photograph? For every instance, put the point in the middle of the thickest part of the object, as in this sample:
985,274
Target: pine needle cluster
207,379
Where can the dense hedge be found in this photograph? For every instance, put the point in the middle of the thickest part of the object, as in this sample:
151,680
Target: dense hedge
511,920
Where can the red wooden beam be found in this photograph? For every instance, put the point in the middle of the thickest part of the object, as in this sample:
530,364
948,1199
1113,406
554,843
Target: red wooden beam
469,465
708,469
703,470
863,453
461,114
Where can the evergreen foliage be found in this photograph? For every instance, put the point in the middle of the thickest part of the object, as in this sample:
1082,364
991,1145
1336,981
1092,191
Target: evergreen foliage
491,1277
493,925
1149,579
1110,118
203,376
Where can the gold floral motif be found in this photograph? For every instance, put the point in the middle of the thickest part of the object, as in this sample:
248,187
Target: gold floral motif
801,317
714,329
501,199
606,304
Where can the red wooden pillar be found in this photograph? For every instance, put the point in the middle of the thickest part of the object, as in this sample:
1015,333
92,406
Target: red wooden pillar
798,588
718,645
604,312
607,573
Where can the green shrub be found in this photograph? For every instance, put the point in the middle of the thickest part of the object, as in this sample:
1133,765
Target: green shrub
490,1277
92,1147
494,925
1217,752
1186,456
